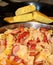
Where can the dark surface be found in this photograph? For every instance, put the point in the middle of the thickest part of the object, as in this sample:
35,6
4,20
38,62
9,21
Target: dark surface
9,10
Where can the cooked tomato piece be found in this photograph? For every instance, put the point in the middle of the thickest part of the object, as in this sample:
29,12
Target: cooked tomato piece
45,38
15,49
23,35
31,44
16,58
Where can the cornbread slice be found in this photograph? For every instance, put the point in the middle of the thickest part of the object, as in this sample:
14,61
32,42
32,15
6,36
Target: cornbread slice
25,9
23,18
20,18
37,16
8,19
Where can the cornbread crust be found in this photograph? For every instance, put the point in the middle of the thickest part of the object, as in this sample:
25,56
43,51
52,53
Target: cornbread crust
8,19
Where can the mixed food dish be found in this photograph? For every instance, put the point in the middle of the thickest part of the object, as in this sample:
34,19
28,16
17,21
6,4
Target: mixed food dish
26,46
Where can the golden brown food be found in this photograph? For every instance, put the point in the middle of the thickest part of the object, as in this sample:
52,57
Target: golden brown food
25,9
23,18
20,18
28,13
38,16
9,19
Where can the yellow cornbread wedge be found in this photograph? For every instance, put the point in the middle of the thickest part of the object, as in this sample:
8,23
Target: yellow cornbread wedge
23,18
38,16
25,9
